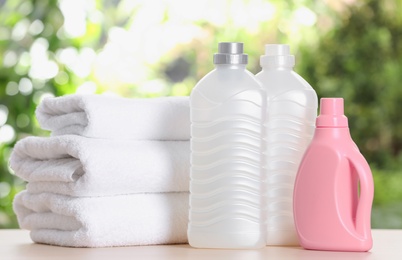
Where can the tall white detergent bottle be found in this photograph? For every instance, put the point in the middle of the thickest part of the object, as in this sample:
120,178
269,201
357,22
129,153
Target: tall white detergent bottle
290,123
227,111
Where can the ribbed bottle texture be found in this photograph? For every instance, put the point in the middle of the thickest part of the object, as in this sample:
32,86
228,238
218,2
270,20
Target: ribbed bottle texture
226,203
290,124
227,110
290,127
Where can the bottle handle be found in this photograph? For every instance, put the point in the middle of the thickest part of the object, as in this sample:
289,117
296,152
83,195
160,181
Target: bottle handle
364,205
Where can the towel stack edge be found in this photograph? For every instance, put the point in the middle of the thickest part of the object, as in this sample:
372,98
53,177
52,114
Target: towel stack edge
114,172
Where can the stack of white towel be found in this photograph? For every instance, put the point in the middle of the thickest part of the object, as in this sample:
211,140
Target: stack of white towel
115,172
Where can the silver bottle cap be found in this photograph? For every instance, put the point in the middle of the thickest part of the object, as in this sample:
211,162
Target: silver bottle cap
230,53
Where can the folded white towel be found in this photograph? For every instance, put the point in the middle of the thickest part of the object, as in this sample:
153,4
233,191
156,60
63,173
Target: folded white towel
138,219
99,116
80,166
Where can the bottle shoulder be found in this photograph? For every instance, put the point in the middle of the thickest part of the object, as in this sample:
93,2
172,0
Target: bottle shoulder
220,85
334,139
279,82
224,77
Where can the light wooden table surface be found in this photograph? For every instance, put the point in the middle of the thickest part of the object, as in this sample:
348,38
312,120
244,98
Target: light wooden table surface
16,244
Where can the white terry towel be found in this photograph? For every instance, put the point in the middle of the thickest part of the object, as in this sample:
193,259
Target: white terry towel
99,116
80,166
138,219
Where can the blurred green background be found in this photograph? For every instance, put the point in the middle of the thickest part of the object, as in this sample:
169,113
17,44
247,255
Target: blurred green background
344,48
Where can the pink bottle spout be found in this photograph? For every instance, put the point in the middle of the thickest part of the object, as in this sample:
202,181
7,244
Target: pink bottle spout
331,113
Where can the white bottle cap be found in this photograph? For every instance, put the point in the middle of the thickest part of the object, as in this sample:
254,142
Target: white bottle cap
277,55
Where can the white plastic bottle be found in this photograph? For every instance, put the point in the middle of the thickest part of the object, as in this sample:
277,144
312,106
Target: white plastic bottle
290,123
226,187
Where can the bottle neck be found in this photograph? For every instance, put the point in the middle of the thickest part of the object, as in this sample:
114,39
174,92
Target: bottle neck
332,133
276,61
271,68
230,66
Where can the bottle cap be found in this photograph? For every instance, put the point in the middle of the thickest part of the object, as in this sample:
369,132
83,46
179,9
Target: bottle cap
331,113
277,55
230,53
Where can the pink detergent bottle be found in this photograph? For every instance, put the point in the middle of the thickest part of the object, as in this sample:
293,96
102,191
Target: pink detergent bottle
329,212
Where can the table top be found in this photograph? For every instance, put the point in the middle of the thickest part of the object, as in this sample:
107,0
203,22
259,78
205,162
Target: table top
16,244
